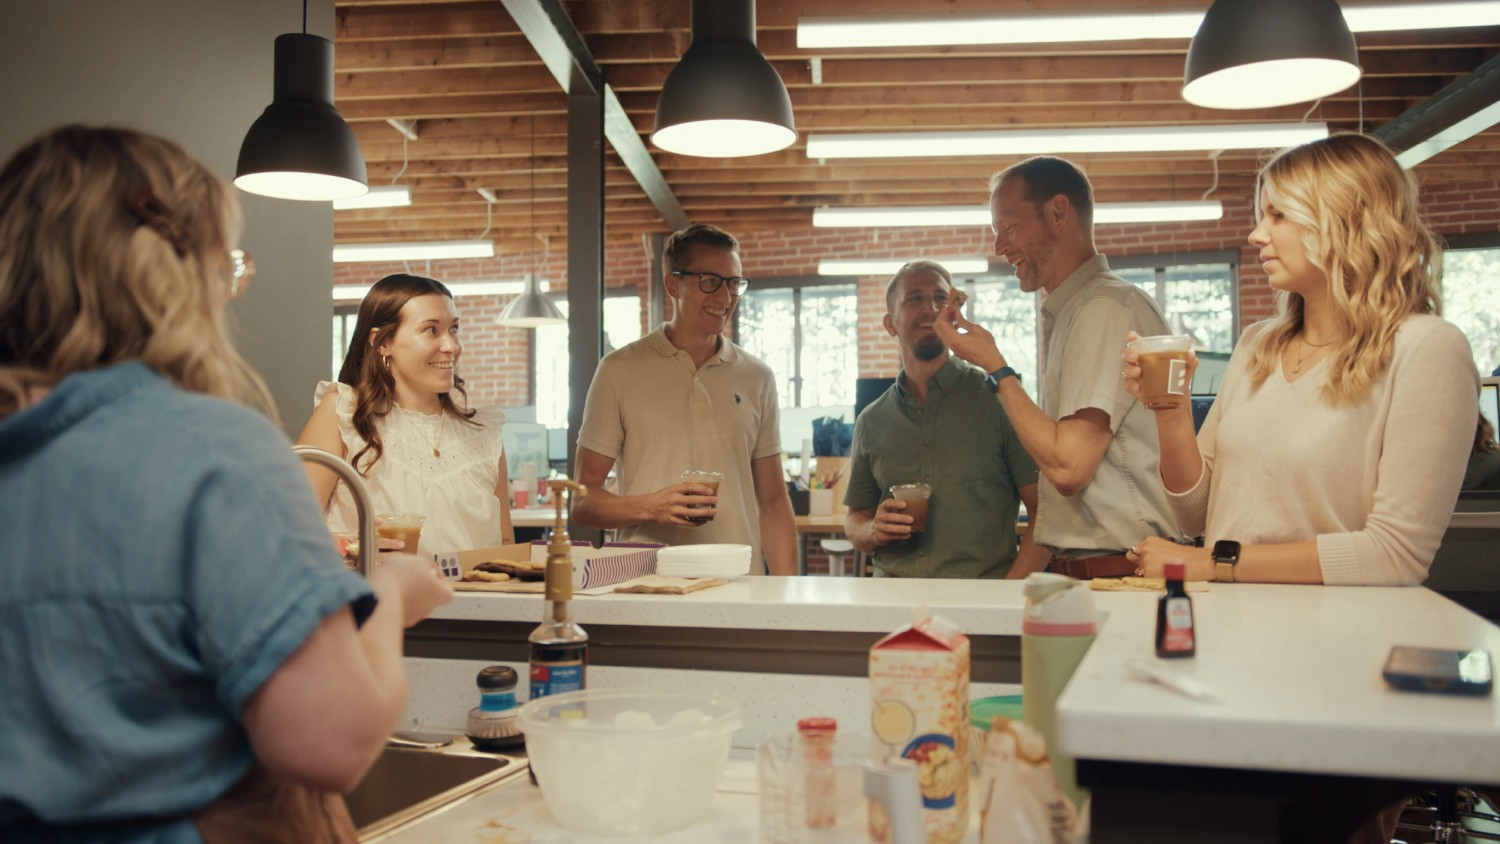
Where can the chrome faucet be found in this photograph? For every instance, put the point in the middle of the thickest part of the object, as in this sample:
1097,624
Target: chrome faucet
356,484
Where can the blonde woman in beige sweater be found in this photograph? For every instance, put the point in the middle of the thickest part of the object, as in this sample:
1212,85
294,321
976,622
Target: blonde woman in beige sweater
1336,446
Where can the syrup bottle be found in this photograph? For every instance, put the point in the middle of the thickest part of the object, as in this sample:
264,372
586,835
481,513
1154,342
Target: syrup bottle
559,647
1176,635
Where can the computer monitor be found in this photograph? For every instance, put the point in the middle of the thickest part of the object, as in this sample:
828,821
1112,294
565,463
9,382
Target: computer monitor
867,390
557,444
1489,400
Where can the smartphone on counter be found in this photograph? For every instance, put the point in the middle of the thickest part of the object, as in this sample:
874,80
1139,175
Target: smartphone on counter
1439,670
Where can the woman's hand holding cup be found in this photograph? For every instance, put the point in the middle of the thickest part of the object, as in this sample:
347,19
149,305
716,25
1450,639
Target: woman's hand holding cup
1167,385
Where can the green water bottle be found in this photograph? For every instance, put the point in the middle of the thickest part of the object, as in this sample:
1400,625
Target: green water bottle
1058,627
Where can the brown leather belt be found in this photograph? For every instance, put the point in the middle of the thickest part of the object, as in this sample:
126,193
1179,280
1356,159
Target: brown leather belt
1086,568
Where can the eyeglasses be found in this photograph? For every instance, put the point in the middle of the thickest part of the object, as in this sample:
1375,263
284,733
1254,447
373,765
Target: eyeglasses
711,282
243,270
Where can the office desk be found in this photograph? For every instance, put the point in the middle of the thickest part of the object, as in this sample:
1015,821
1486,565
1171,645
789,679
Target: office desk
831,524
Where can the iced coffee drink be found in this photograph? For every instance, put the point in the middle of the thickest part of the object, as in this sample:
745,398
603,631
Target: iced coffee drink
406,527
708,479
917,497
1163,362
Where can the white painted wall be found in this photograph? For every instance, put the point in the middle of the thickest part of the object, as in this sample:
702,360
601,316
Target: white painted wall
197,72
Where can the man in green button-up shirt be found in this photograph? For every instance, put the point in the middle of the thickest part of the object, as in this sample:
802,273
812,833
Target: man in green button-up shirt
939,424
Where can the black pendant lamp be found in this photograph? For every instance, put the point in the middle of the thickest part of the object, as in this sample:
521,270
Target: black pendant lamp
300,147
723,99
1267,53
532,309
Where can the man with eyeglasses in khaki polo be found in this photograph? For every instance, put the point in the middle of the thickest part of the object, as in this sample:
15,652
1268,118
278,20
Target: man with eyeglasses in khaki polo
686,397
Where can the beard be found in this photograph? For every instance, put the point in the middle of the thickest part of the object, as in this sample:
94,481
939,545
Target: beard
929,348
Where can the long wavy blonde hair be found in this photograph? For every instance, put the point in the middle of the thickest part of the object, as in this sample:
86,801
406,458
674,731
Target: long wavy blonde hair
1357,213
114,247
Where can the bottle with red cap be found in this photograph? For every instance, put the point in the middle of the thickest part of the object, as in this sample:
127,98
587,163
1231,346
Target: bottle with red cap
1176,635
816,735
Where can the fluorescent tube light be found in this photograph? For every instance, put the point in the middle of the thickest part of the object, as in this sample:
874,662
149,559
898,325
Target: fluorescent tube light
909,31
902,31
414,251
1451,135
1064,141
356,292
887,266
1121,213
393,196
924,216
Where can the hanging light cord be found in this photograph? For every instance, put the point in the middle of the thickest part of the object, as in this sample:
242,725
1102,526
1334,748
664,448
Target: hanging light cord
1214,157
1311,108
532,247
304,17
405,160
489,216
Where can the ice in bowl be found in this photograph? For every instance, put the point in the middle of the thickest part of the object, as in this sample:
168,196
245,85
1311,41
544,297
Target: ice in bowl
628,761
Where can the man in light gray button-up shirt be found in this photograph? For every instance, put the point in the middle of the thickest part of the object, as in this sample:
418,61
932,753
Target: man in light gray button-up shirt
1095,446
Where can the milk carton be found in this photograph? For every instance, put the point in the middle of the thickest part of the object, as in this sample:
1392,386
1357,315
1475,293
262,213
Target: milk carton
919,710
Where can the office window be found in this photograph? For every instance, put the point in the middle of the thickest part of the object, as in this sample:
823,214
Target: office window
1012,316
1470,301
343,325
622,325
807,335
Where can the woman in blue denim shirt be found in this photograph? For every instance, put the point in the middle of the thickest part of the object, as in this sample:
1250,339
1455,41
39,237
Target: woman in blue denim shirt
185,659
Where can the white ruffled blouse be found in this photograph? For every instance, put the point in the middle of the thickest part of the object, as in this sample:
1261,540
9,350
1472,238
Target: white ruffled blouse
454,488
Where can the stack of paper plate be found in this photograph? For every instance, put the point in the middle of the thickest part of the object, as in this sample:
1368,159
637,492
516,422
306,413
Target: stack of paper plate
703,561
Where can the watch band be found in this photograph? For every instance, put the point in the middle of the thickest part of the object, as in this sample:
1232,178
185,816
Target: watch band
995,377
1225,554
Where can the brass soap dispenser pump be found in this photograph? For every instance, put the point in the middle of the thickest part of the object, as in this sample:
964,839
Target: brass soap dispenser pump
559,647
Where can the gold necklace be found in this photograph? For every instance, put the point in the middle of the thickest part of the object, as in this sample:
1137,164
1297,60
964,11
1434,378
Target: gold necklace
432,442
1297,365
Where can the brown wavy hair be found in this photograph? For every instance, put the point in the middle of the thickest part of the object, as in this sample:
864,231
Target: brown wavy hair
374,386
1357,213
114,246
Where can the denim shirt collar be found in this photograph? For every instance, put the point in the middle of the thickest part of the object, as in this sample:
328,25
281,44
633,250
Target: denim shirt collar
71,401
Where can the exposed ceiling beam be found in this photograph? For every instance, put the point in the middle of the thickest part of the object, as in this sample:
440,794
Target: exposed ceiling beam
1470,99
547,26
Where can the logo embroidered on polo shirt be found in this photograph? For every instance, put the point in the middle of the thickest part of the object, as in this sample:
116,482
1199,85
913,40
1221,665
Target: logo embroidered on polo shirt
736,398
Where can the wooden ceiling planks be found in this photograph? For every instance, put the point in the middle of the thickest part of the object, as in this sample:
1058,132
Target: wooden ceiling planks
474,86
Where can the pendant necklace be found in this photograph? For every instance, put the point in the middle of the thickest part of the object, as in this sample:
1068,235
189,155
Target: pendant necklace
432,442
1297,364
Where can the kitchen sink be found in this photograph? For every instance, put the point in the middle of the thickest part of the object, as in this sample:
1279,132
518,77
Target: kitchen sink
406,784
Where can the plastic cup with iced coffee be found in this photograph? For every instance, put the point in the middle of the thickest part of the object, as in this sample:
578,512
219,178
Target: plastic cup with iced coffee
1163,362
406,527
917,498
705,478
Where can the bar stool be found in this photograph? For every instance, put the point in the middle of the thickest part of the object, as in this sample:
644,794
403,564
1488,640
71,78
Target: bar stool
837,549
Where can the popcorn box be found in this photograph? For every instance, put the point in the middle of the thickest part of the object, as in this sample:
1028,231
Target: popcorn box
919,698
613,563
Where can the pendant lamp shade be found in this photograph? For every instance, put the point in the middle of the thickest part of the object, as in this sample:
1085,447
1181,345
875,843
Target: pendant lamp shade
532,309
723,99
1267,53
300,147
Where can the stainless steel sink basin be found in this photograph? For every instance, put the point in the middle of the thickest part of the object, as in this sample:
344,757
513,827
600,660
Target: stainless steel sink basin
404,785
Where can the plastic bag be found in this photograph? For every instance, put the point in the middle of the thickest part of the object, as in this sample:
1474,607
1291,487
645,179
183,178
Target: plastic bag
1018,796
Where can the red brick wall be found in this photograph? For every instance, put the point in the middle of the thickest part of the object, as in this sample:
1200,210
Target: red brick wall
497,360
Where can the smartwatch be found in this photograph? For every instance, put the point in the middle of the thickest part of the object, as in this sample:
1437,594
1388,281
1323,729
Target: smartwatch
993,379
1226,555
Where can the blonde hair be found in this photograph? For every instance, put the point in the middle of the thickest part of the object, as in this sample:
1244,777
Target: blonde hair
1357,212
114,247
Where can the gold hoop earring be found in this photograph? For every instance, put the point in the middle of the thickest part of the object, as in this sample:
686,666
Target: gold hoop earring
386,359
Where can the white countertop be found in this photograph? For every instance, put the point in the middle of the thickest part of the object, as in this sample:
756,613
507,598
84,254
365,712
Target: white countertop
778,603
1298,666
